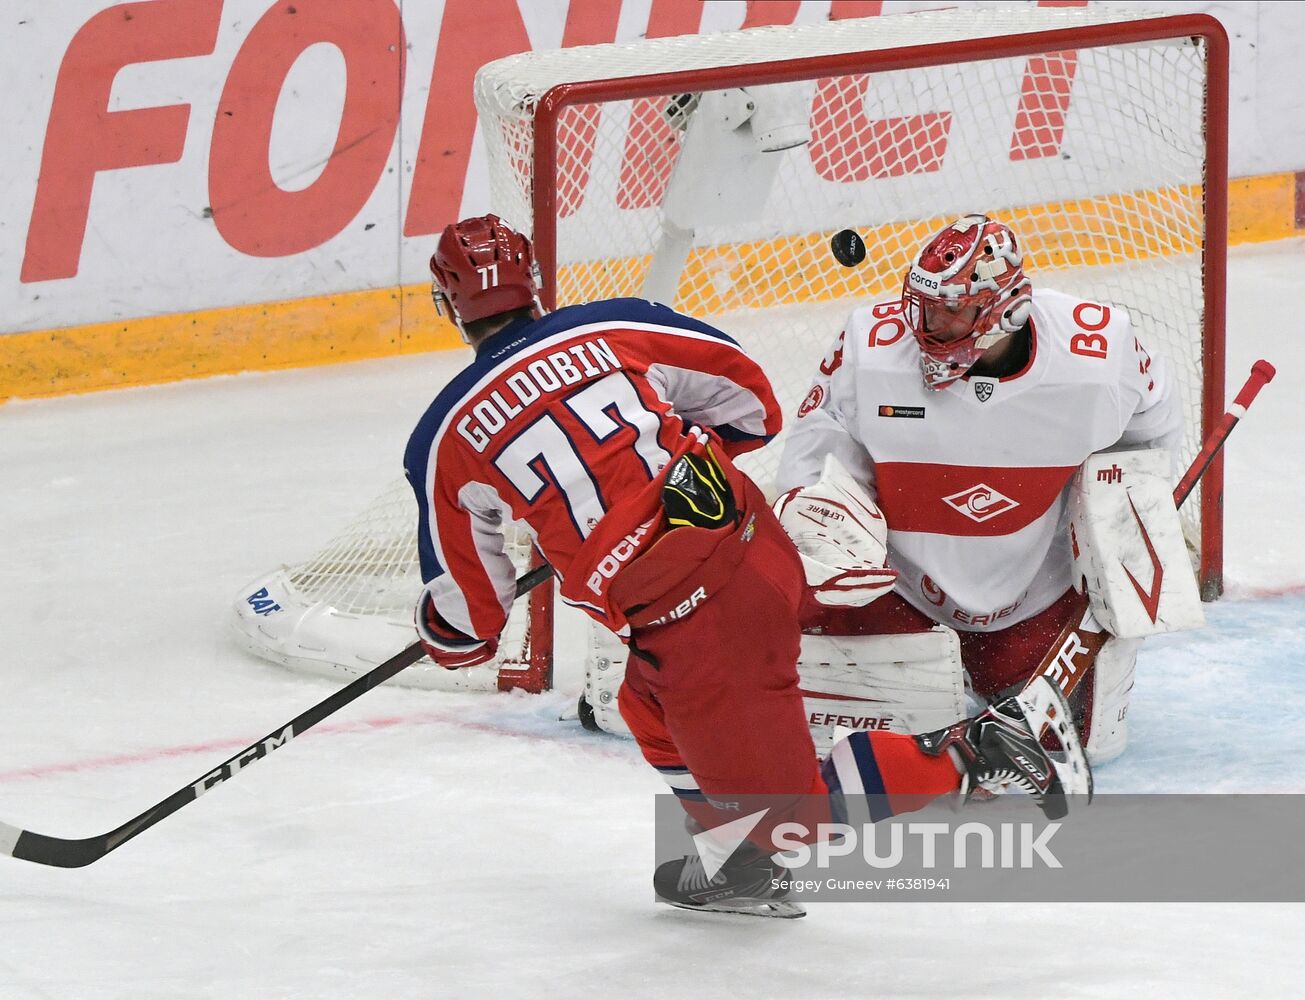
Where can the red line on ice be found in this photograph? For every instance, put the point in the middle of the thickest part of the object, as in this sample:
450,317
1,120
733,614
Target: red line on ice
216,746
1261,593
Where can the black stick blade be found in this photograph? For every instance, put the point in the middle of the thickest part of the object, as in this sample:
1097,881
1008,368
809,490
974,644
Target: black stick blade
53,851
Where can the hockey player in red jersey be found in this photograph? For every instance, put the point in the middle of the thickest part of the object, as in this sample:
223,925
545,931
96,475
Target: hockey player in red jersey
609,429
965,407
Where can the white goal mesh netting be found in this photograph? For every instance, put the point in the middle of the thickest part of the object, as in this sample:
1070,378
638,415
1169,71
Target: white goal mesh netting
723,204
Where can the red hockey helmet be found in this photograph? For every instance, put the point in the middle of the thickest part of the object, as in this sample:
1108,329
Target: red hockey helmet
483,267
965,292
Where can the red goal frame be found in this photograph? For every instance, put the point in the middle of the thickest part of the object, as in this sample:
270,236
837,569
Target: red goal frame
544,203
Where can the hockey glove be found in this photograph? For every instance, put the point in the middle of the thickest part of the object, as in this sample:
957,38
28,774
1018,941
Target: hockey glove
696,494
447,646
841,537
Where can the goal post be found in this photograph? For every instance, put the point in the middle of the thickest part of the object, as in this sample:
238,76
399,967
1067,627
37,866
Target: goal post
710,172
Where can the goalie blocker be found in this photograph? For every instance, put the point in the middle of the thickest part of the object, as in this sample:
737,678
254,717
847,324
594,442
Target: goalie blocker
1128,545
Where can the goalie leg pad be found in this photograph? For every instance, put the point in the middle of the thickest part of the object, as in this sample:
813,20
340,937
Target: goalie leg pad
1107,709
907,683
604,674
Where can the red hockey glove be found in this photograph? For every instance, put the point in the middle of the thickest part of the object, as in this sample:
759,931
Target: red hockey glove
447,646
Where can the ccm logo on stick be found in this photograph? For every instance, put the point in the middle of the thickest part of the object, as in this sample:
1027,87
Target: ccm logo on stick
256,752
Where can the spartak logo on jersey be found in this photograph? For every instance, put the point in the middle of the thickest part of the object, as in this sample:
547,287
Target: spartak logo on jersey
932,592
980,502
814,398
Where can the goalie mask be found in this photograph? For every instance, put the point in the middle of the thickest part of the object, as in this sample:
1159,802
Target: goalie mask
480,268
965,292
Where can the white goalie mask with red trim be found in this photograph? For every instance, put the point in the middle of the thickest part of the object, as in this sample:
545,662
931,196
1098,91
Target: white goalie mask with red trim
965,292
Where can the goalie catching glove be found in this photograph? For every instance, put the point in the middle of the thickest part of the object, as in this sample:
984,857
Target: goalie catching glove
841,537
447,646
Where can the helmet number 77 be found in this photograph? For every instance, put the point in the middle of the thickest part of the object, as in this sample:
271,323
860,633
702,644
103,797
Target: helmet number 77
488,276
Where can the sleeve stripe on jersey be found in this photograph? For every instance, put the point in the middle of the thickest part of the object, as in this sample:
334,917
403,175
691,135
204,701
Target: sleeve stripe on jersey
725,420
731,433
451,600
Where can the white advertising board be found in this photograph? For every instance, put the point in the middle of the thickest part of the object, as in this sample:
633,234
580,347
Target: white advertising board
176,155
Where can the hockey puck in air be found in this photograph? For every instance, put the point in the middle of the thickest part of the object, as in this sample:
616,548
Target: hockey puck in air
848,247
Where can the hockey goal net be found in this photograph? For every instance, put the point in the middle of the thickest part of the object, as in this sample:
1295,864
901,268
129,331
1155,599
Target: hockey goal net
710,172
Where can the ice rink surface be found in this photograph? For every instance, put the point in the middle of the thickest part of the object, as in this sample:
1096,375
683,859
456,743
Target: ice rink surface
421,844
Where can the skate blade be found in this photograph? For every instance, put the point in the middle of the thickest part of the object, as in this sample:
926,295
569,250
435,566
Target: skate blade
1045,708
780,909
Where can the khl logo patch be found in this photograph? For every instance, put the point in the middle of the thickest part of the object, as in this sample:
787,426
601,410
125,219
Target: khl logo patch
983,390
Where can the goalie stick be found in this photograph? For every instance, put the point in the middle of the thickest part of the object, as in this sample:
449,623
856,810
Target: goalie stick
1075,649
60,853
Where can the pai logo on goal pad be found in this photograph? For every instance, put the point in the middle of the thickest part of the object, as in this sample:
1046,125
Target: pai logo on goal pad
262,602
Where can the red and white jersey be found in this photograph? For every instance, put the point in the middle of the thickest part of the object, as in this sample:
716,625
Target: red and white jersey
972,478
566,423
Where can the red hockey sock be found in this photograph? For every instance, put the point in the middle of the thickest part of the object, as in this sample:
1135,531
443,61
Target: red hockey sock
891,770
908,770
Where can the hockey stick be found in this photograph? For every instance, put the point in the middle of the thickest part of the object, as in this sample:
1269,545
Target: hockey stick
61,853
1075,649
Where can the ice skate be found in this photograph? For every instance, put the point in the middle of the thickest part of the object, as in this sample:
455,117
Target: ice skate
744,885
1001,748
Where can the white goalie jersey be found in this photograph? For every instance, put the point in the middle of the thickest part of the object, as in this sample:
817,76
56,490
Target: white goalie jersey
972,478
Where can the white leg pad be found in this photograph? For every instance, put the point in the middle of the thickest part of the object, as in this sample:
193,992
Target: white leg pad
910,683
604,673
1111,689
